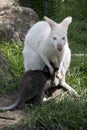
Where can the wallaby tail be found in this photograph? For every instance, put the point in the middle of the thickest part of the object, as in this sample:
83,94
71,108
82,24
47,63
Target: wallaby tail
13,106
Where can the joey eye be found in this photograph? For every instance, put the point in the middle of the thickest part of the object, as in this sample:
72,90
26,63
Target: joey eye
63,38
54,38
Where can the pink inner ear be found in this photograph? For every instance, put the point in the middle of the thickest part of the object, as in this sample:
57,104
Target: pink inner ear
50,22
67,21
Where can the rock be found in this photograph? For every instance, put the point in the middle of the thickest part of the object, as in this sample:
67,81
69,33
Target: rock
5,67
15,21
6,3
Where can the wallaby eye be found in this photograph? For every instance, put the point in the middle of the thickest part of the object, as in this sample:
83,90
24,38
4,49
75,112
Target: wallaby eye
63,38
54,38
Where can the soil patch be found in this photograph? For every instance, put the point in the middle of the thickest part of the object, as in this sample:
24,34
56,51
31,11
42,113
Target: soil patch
8,118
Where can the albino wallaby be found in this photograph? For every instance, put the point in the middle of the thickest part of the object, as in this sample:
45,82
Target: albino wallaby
32,87
45,41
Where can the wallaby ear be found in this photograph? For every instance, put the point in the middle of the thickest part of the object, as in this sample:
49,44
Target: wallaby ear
50,22
67,21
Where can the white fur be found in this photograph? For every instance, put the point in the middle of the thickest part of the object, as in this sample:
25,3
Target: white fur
43,42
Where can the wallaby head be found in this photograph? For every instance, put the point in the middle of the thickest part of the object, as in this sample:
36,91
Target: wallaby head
59,32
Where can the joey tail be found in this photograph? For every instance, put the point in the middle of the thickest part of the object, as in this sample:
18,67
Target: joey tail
11,107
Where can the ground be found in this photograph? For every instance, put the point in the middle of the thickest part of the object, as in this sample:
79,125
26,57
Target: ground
16,115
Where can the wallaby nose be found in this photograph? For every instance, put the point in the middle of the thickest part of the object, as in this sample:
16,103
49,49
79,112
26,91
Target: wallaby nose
59,47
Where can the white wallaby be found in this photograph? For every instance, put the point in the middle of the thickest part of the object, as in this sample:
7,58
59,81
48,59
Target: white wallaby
45,42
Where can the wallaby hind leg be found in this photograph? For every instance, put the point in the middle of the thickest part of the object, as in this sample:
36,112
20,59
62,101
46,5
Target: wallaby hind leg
66,86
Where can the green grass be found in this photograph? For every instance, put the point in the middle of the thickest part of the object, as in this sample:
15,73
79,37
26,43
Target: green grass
77,74
65,114
13,52
62,113
78,36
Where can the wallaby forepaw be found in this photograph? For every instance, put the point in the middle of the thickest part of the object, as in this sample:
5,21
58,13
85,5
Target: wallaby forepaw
56,81
59,76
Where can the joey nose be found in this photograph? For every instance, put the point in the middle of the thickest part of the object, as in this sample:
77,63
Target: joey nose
59,47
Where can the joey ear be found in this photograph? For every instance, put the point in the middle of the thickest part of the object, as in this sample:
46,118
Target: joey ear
67,21
50,22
